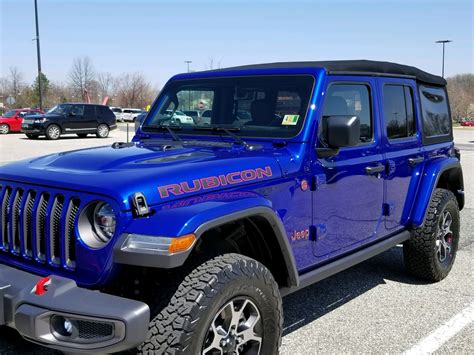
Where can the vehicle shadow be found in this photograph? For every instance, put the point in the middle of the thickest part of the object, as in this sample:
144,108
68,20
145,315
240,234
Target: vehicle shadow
301,307
313,302
66,138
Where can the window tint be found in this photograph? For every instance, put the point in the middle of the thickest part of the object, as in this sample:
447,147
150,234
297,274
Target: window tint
78,110
89,110
434,107
398,111
103,110
351,99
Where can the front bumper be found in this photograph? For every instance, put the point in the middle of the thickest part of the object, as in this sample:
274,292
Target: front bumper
69,318
33,128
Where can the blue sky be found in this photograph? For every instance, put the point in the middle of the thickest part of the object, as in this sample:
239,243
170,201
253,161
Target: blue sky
156,37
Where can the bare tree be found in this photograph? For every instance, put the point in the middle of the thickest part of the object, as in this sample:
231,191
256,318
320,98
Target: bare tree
16,81
82,76
461,95
212,64
105,82
135,91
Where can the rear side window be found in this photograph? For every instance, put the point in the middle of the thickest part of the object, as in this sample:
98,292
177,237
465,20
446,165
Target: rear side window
351,99
398,111
435,111
89,110
104,111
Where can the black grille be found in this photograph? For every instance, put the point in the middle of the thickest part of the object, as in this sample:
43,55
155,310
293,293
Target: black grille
94,330
38,225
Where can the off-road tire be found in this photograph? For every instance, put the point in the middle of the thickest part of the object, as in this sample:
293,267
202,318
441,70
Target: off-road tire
82,135
4,128
420,251
32,136
51,132
182,325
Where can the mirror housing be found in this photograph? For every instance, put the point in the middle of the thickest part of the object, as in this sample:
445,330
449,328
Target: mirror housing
72,114
339,132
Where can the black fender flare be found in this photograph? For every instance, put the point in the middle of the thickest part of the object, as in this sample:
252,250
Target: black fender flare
277,226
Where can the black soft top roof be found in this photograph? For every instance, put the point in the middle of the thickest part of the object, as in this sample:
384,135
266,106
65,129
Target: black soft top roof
354,67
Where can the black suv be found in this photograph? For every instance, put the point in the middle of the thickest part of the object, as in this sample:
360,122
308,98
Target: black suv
81,119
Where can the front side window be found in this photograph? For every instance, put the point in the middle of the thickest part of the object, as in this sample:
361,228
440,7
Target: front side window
350,100
398,111
77,110
435,111
60,109
9,114
254,106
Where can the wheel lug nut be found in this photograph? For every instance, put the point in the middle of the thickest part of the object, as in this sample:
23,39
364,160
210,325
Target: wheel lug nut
223,342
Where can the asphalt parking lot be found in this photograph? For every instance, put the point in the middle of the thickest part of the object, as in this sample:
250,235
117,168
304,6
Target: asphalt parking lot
374,307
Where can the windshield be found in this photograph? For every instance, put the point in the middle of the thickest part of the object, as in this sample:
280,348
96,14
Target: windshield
60,109
9,114
254,106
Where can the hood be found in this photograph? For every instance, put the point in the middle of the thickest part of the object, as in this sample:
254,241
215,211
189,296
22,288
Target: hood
161,172
48,115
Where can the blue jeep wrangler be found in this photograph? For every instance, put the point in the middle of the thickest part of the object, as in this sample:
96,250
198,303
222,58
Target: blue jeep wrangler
185,240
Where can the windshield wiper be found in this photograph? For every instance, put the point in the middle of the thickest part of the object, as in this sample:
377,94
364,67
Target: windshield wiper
228,131
170,131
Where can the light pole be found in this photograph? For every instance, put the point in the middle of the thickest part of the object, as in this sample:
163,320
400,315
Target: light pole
443,41
187,63
189,92
38,53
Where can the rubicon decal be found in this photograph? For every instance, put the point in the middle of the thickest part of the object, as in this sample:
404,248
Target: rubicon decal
212,182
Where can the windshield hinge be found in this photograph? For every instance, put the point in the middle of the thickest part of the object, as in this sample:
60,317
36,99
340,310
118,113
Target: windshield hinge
140,206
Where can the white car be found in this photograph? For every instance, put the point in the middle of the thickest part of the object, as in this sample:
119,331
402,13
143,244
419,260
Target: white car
129,114
118,113
180,118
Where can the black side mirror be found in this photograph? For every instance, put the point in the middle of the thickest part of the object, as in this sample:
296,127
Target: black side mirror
72,114
339,132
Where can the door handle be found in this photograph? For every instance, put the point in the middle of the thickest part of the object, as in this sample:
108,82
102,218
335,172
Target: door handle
369,170
415,160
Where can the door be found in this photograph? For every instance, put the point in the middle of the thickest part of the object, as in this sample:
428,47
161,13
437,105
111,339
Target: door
402,148
348,199
17,120
73,118
90,118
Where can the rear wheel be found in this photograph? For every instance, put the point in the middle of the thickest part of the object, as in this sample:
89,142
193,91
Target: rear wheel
228,305
32,136
431,252
82,135
102,131
4,129
53,132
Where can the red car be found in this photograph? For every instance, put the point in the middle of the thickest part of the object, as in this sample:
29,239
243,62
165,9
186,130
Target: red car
467,123
11,120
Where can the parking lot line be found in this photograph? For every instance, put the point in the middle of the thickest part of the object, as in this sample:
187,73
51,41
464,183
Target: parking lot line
445,332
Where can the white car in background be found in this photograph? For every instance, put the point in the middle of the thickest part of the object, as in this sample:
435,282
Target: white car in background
129,114
118,113
180,118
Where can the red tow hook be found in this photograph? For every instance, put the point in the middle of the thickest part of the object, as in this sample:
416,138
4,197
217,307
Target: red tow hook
42,286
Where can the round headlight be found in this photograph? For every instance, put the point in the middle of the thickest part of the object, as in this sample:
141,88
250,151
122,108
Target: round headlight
97,223
104,221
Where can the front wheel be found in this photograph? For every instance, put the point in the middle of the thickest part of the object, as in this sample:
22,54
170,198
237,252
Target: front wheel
227,305
431,252
4,129
53,132
102,131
